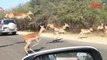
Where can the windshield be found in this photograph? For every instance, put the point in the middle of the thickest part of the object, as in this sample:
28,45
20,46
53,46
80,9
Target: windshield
0,21
66,56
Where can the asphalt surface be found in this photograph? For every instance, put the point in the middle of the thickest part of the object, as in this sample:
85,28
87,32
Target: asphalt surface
11,46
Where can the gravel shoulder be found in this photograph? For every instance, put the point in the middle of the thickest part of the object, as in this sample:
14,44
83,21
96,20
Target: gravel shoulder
91,38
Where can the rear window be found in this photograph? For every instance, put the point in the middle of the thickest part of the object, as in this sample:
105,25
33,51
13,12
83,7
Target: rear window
0,21
8,21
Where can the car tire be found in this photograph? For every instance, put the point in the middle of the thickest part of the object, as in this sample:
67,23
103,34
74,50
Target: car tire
13,33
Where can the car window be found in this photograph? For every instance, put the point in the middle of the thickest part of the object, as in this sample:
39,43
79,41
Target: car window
8,21
0,21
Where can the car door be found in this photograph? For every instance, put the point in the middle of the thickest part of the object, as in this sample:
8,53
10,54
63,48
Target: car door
0,26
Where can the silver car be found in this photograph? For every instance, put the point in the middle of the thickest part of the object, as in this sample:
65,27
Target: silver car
8,26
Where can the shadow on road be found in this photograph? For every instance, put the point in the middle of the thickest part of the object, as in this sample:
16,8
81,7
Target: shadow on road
7,34
36,50
56,41
11,44
82,37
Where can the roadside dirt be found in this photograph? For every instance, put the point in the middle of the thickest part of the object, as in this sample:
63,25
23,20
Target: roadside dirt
91,38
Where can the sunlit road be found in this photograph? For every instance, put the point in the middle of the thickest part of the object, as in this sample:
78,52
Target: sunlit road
11,46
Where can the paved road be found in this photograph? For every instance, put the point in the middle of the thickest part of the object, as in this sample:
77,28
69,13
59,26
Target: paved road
11,46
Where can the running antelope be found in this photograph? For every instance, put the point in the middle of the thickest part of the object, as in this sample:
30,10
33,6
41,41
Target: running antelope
101,28
58,30
85,31
35,36
19,15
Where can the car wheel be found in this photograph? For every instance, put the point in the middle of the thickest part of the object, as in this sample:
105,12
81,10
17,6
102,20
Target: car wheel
13,33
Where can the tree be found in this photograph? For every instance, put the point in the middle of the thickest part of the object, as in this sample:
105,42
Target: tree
78,13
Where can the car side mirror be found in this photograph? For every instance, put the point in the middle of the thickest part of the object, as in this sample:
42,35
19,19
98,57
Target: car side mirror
66,53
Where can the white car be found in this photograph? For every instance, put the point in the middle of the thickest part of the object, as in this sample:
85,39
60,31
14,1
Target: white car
8,26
